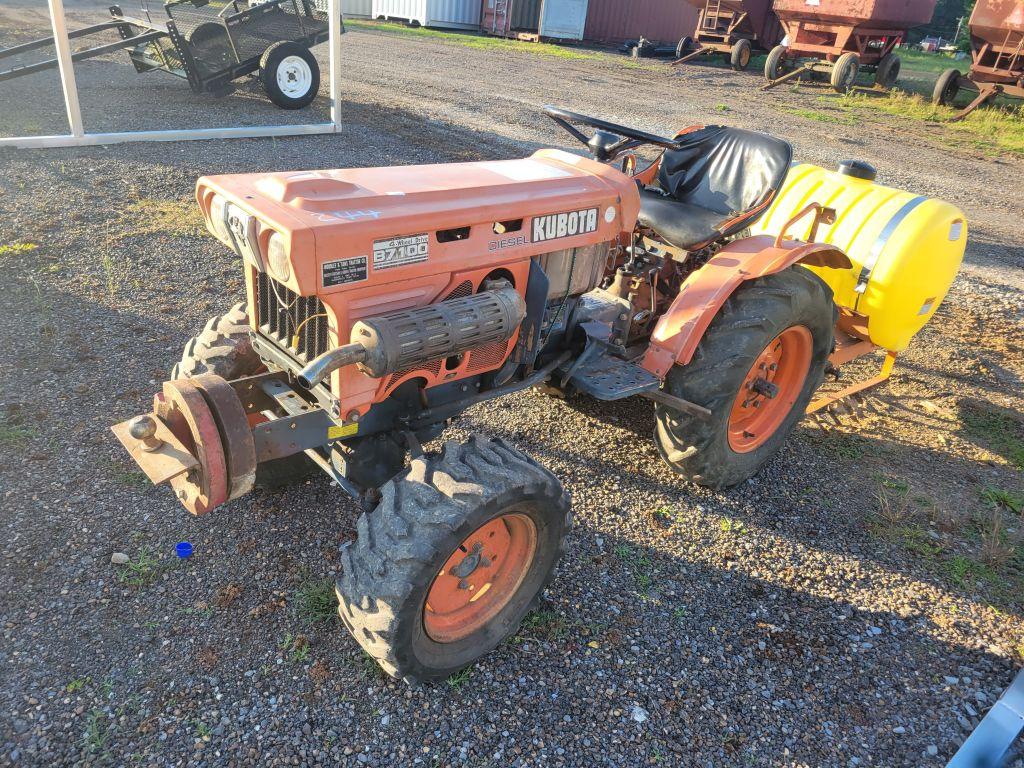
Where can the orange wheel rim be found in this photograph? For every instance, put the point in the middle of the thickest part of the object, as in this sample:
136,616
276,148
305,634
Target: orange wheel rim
480,577
770,389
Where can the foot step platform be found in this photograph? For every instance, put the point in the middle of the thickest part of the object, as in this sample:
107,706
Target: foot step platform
612,378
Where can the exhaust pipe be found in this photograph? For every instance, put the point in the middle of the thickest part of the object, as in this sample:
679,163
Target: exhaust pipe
330,361
409,338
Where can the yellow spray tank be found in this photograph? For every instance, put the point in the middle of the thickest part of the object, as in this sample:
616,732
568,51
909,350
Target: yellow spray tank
905,248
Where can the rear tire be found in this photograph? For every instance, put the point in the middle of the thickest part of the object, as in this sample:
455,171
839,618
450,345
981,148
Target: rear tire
224,349
752,319
946,88
739,57
775,63
888,71
844,72
290,75
405,550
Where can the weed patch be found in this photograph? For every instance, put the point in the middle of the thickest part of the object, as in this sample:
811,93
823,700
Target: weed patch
315,601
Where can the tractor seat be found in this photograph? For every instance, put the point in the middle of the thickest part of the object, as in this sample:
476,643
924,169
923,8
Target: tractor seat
718,183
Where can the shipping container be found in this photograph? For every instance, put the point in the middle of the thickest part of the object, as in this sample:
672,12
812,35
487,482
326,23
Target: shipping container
663,21
597,21
357,9
534,19
446,14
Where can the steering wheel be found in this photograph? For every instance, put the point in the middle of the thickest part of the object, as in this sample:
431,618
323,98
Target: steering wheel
610,138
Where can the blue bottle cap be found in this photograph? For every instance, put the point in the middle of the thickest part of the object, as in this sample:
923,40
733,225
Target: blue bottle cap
183,549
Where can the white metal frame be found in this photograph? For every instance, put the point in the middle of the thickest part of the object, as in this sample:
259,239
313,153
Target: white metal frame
78,136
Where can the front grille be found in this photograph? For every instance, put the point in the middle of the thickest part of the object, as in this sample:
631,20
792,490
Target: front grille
280,312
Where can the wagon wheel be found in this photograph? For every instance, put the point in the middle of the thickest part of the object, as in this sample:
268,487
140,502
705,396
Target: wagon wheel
845,71
775,64
946,88
739,56
684,46
888,71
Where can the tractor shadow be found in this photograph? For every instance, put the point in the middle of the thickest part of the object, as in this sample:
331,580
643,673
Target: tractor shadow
906,507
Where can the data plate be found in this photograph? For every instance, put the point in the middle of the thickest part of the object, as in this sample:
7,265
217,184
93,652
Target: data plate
400,251
343,271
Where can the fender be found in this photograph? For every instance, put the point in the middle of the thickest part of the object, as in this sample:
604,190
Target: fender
703,293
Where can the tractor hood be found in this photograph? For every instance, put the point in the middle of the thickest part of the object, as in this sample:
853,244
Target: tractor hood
341,229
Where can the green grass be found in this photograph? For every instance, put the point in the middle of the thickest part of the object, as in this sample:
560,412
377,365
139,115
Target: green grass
295,648
76,685
489,43
998,497
10,249
14,435
996,429
97,733
732,526
155,216
839,118
920,62
544,623
992,130
141,571
460,678
315,601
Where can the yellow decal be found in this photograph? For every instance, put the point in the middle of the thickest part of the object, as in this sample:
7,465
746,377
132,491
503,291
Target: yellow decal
333,433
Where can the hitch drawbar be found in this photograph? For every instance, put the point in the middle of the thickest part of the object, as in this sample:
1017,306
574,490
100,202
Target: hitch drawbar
403,340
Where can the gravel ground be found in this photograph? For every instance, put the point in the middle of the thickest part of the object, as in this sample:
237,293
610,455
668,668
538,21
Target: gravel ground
849,606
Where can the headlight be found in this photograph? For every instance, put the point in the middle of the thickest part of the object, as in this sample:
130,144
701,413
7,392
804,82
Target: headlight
277,257
220,228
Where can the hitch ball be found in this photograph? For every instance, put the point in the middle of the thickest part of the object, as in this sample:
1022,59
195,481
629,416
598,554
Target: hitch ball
143,429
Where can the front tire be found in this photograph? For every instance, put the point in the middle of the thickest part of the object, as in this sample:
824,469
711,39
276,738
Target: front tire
786,319
452,558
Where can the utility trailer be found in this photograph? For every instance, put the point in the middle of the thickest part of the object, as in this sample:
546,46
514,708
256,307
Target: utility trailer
841,38
211,44
997,57
733,28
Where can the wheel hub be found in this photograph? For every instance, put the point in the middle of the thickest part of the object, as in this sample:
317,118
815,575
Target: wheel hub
770,389
480,577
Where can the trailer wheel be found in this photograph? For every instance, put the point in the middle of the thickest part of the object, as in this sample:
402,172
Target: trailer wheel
223,349
683,46
452,558
775,63
888,71
756,367
290,75
946,87
844,72
739,56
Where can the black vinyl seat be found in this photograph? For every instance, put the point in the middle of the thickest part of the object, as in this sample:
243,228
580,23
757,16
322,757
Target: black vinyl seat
715,185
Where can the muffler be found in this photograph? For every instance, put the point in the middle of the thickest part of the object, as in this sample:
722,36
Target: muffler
410,338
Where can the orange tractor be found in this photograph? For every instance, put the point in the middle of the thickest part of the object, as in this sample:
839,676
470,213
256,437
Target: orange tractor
382,302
